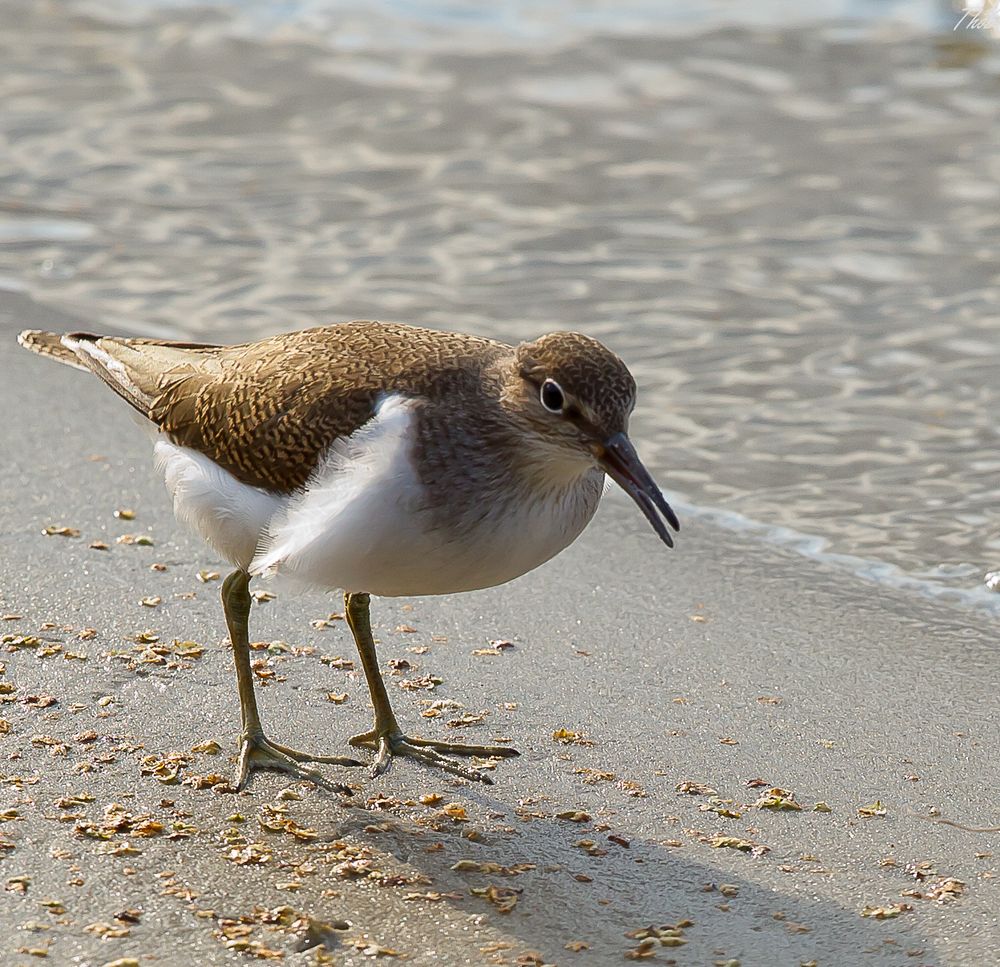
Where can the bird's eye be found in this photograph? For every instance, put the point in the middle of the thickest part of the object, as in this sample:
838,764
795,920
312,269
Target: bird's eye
552,397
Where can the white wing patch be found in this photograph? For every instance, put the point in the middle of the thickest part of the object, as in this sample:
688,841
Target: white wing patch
346,527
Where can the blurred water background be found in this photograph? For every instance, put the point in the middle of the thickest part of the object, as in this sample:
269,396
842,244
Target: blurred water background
785,216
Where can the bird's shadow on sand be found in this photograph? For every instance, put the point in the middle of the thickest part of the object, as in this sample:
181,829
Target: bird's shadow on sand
561,891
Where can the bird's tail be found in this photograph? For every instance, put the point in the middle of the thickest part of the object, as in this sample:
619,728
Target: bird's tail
138,370
50,344
94,354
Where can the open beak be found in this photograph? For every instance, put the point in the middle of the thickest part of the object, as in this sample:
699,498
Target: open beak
621,463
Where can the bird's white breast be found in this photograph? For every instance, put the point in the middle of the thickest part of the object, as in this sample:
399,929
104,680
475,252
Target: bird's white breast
363,523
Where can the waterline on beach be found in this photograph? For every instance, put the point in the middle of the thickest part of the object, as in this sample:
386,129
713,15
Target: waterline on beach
816,548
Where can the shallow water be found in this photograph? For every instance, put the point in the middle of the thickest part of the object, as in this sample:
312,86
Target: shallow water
789,229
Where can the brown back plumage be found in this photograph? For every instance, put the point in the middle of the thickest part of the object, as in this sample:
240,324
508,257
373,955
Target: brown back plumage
267,411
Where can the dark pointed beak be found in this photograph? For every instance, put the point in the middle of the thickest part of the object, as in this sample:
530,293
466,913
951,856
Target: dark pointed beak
621,463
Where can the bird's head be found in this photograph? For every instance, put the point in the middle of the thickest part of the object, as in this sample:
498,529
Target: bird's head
573,397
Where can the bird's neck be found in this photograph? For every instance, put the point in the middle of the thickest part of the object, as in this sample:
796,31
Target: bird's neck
474,461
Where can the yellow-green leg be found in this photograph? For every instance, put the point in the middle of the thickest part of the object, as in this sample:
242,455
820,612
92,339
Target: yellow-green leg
256,750
386,737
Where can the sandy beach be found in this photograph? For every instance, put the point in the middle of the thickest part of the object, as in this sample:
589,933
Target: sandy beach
686,685
749,751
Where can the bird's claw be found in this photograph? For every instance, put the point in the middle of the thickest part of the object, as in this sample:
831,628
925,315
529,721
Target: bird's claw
259,752
428,751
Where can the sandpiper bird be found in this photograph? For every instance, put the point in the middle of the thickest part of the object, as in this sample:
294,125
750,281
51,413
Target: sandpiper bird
376,459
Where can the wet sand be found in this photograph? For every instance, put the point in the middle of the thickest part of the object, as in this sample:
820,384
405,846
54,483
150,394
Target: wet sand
722,663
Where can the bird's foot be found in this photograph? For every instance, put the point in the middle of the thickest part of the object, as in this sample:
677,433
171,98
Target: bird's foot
388,744
259,752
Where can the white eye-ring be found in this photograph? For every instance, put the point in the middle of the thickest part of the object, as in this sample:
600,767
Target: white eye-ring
551,396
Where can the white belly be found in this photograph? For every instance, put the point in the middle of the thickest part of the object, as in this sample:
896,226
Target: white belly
361,522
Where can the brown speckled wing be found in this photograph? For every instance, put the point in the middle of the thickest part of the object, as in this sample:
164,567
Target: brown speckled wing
267,411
